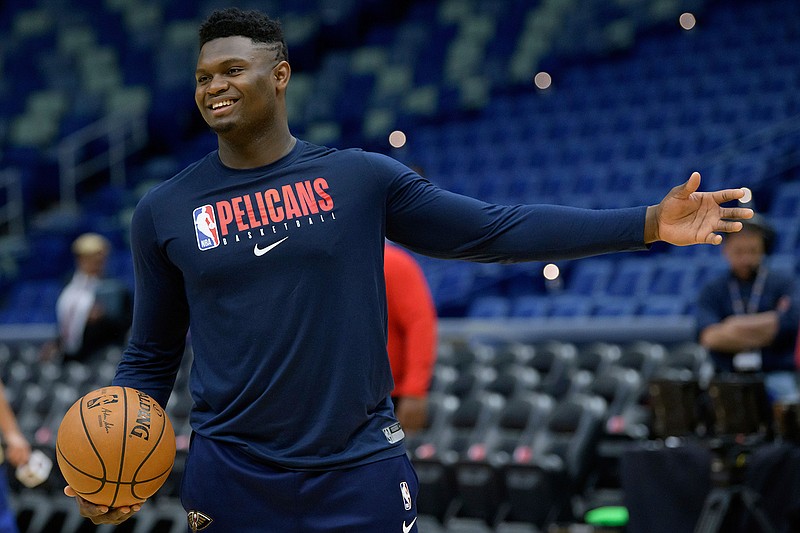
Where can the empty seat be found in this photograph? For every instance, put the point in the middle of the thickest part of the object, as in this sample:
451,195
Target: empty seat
489,307
436,464
478,473
663,306
425,443
589,276
617,386
597,356
554,361
690,356
606,306
513,380
631,277
642,356
459,355
570,305
41,513
553,466
519,419
530,306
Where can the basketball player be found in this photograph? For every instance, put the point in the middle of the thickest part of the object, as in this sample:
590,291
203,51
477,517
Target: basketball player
294,429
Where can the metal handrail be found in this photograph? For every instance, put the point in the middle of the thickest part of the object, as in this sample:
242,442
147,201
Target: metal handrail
12,212
123,135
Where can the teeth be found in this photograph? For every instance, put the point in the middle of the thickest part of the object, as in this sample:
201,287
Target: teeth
223,103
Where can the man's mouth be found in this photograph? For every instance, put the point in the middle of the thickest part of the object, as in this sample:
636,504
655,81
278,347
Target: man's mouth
222,104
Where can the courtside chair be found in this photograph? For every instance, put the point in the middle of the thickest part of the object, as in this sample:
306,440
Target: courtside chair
551,468
644,357
434,461
596,357
555,362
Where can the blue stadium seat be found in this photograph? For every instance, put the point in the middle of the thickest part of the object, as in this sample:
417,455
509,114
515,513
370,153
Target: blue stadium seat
589,276
570,305
489,307
672,277
606,306
663,305
631,277
530,306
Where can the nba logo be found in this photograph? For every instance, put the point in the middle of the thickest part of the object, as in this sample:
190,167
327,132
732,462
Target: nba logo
205,227
406,495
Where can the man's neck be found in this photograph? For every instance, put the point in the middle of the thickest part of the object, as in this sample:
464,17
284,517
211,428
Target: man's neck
257,151
748,276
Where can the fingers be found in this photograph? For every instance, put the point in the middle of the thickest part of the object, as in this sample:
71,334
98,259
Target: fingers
739,213
690,186
728,195
724,226
101,514
728,226
115,516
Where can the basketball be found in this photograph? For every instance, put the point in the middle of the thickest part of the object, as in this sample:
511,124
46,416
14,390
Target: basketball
115,446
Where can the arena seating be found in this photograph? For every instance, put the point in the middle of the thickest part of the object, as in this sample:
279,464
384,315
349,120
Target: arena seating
509,423
492,451
734,120
636,104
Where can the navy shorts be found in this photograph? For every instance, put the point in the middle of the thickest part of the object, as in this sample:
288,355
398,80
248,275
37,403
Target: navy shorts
225,490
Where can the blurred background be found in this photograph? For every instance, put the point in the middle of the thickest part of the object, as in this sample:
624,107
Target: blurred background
592,103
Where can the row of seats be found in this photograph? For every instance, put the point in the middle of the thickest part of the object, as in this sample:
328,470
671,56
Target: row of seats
564,145
520,432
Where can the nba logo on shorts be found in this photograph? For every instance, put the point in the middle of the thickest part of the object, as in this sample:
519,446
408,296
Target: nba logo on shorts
205,227
406,495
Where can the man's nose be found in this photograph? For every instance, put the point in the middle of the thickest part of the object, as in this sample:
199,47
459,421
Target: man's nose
217,85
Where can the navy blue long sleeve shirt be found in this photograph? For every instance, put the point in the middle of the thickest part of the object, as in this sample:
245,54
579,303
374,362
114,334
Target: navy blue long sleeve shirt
278,273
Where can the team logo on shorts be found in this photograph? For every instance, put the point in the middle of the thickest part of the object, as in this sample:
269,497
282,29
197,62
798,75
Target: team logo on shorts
198,521
406,495
205,227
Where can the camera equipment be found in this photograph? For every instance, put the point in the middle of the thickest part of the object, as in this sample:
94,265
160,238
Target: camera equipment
742,421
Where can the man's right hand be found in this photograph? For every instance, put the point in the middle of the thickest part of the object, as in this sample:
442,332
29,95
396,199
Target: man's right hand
102,514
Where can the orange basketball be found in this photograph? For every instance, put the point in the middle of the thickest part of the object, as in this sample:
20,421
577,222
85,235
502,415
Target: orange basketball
115,446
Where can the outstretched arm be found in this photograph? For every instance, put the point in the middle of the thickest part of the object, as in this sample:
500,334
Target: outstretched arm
686,217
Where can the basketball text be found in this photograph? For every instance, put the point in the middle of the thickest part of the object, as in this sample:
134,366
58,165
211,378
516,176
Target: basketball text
142,427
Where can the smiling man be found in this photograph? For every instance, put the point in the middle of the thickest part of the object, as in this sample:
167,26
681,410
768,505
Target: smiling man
271,250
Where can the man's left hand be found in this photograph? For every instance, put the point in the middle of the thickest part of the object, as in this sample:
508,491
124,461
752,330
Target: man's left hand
686,217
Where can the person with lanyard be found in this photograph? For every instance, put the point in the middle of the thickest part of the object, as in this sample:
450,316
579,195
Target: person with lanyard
748,317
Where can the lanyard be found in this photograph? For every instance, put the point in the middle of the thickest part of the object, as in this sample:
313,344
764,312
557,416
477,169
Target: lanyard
755,295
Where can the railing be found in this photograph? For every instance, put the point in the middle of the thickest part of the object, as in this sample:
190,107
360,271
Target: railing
755,141
11,212
122,135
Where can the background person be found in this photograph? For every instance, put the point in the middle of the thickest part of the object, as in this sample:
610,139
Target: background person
411,344
92,311
17,452
748,317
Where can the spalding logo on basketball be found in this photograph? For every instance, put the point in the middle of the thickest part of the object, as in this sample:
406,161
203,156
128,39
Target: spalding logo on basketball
115,446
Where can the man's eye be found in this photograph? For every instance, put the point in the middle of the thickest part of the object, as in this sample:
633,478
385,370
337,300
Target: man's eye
234,70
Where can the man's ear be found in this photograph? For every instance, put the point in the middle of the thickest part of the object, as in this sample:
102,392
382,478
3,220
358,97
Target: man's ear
282,72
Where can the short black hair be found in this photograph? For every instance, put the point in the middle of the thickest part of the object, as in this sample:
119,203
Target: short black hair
232,22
